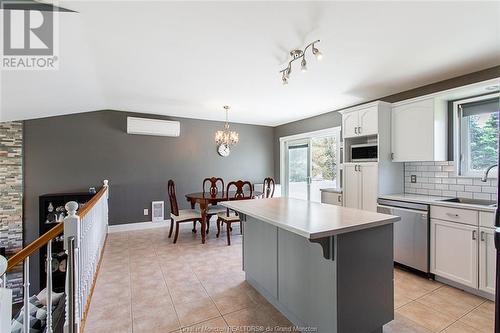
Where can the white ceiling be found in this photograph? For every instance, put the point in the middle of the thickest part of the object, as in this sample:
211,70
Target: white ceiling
189,58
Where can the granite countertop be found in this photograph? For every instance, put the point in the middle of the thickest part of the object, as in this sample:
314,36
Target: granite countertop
435,201
311,220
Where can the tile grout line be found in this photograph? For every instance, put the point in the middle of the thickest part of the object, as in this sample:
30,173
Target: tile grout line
203,286
169,294
130,286
465,314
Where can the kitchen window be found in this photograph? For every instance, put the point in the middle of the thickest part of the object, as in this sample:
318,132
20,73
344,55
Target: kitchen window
477,134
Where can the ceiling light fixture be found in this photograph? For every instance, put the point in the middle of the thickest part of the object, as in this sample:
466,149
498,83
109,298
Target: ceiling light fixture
300,54
226,138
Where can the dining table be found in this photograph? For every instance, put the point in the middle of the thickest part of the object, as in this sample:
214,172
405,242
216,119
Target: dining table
205,199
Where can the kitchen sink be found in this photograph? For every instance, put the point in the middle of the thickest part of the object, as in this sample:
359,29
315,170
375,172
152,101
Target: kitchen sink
467,201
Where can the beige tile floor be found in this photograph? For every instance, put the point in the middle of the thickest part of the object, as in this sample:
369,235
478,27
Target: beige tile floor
148,284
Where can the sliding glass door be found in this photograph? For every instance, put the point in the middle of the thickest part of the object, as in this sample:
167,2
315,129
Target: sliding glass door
311,164
299,169
324,171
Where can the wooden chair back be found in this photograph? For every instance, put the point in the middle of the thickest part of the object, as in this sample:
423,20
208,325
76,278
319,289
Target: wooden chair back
174,209
268,187
213,189
239,193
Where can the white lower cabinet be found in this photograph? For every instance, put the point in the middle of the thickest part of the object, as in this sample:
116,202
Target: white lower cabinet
454,252
361,186
464,253
487,258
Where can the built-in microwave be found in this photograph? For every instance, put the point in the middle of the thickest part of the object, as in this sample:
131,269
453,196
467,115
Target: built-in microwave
367,152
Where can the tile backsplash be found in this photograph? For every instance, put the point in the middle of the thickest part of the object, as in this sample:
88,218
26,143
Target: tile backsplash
440,178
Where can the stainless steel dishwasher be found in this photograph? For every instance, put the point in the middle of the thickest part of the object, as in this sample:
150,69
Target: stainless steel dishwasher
411,234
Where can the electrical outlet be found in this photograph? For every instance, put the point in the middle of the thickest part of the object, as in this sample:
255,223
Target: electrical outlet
413,178
146,211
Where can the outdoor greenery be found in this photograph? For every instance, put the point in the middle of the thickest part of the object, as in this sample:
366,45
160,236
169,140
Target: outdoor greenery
323,158
323,151
483,141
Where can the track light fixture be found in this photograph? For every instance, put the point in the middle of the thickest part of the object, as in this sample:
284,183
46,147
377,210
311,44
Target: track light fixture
300,54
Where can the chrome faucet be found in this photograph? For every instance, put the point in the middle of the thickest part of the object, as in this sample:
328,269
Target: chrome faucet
485,176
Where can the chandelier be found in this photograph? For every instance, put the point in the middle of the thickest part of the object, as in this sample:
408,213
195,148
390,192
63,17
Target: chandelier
300,54
226,137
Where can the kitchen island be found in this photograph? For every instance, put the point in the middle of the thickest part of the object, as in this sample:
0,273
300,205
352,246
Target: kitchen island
326,268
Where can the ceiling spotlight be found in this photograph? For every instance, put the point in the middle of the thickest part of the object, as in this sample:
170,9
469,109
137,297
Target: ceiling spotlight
317,53
300,54
303,65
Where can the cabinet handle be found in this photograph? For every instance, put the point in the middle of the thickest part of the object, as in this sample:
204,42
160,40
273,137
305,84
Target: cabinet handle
359,130
473,234
355,167
355,130
339,198
359,168
482,236
392,156
453,215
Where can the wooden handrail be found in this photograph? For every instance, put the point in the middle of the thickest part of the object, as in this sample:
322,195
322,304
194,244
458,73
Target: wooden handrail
35,245
52,233
91,203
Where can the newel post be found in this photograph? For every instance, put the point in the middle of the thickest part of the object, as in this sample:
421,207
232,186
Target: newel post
71,246
105,184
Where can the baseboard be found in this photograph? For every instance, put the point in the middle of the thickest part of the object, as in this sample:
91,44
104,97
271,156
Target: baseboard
470,290
137,226
147,225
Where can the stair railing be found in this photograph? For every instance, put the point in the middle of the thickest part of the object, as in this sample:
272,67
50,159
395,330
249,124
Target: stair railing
85,233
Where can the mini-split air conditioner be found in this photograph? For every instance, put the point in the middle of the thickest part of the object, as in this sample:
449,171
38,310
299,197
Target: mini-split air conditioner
145,126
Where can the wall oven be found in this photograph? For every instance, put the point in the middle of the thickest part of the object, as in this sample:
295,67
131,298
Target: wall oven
367,152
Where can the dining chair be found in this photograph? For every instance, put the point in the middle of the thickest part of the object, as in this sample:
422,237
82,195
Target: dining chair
213,190
228,217
268,187
177,215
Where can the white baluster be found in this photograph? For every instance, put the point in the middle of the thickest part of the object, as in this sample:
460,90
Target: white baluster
26,296
48,266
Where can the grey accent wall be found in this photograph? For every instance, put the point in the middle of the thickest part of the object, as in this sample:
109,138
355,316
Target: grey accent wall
71,153
333,118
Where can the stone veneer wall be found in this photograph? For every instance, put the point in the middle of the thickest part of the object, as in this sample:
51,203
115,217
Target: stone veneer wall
11,197
439,178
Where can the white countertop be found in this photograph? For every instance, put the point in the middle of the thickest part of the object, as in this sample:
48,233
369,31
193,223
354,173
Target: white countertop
331,190
310,219
434,200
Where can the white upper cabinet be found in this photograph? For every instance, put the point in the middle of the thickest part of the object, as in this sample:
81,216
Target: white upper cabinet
350,123
368,121
419,130
361,120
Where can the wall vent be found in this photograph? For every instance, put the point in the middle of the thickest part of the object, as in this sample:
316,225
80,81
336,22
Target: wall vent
158,127
158,211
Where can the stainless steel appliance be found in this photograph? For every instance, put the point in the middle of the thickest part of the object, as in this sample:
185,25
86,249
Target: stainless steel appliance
365,152
411,234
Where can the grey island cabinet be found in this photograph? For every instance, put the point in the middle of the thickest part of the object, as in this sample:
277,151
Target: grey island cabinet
326,268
